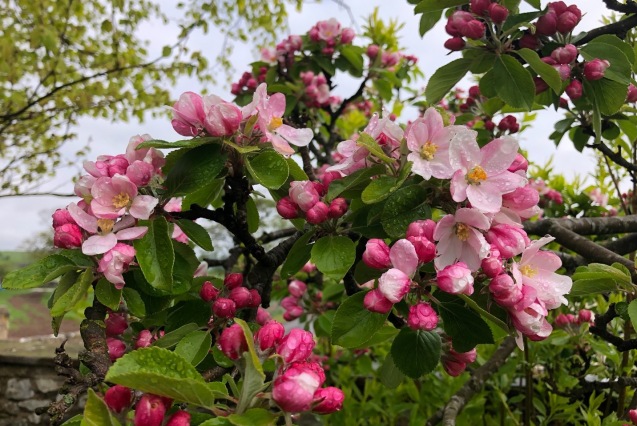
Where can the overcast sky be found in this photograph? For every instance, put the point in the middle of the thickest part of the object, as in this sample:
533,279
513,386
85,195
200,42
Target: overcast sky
22,217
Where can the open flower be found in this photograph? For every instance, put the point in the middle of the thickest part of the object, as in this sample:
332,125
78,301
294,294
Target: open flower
115,262
460,240
395,283
113,197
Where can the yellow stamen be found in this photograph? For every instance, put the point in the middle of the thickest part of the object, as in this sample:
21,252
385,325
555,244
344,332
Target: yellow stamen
428,150
105,226
462,231
528,271
275,123
476,175
121,200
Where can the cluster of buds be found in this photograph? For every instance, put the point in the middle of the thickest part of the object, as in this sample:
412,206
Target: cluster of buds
114,197
473,24
292,303
231,297
317,90
298,382
150,410
304,200
547,194
284,51
559,18
116,324
454,362
584,316
248,82
328,34
193,114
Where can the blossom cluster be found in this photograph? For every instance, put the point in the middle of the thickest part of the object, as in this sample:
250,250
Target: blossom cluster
304,200
235,296
150,410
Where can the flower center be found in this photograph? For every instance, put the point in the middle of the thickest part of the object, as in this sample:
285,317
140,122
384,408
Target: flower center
105,226
121,200
462,231
275,123
428,150
528,271
476,175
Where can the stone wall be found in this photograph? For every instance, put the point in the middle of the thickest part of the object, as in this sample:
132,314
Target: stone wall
26,384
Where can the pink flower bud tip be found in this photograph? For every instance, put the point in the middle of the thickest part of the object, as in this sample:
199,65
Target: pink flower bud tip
116,324
287,208
180,418
233,280
374,301
376,254
208,292
455,279
329,400
297,288
232,342
118,398
595,69
319,213
116,348
422,317
498,13
224,308
150,411
455,44
338,207
296,346
270,335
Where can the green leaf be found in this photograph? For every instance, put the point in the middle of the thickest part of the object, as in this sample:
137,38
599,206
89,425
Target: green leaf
38,273
386,332
466,328
67,281
134,302
73,295
254,417
194,346
196,233
353,324
428,20
74,421
171,339
632,313
514,83
620,67
251,369
96,412
429,5
535,3
445,78
599,278
107,294
358,179
379,189
204,196
161,372
522,18
354,56
194,169
609,96
186,143
613,40
390,375
403,207
416,352
269,168
252,213
298,255
544,70
155,254
333,256
372,146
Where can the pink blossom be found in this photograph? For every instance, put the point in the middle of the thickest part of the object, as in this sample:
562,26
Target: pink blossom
209,292
505,291
116,348
232,342
149,411
270,110
222,118
68,236
112,197
428,140
179,235
149,155
83,187
240,296
509,240
233,280
201,270
394,285
422,228
595,69
180,418
329,400
224,308
269,55
459,239
115,262
376,254
296,346
481,174
143,339
140,173
522,201
422,317
118,398
328,30
116,324
598,197
297,288
268,336
294,390
455,279
188,114
537,269
318,214
374,301
531,321
263,316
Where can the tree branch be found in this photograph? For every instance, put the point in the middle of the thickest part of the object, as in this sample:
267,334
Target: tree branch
599,329
585,225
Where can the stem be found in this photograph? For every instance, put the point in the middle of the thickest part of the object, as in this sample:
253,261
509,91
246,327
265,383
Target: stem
529,384
473,305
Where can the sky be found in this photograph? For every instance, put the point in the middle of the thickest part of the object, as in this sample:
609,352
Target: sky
24,217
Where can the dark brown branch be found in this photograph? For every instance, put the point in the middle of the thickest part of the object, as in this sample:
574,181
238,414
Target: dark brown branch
585,225
447,415
629,7
620,29
268,237
307,162
599,329
617,157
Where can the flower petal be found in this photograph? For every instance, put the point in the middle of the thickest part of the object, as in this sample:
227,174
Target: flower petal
498,154
83,219
99,244
403,256
133,233
143,206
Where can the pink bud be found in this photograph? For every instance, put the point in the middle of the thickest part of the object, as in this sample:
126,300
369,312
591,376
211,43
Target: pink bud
180,418
293,391
293,313
376,254
574,90
338,207
595,69
329,177
474,92
372,51
297,288
118,398
240,296
480,7
394,285
425,249
318,213
455,44
263,316
452,367
232,342
554,196
287,208
508,239
116,324
208,292
188,114
558,7
307,77
522,198
143,339
632,414
567,22
116,348
319,187
632,93
492,266
455,279
584,315
529,41
347,35
289,302
565,55
519,163
564,71
466,357
252,84
562,321
505,291
224,308
374,301
329,400
422,228
222,118
304,194
540,85
270,335
547,24
422,317
68,236
150,411
62,217
473,29
296,346
233,280
498,13
255,299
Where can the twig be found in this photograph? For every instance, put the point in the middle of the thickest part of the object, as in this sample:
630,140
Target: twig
620,29
599,329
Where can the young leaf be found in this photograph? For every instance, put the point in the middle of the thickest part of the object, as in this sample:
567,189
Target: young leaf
466,328
353,324
171,339
632,313
372,146
196,233
38,273
416,352
334,255
269,168
298,255
445,78
358,179
379,189
107,294
194,169
134,302
254,417
428,20
194,346
155,255
515,85
73,295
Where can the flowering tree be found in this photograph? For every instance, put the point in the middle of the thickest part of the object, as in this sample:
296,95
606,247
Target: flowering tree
409,249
